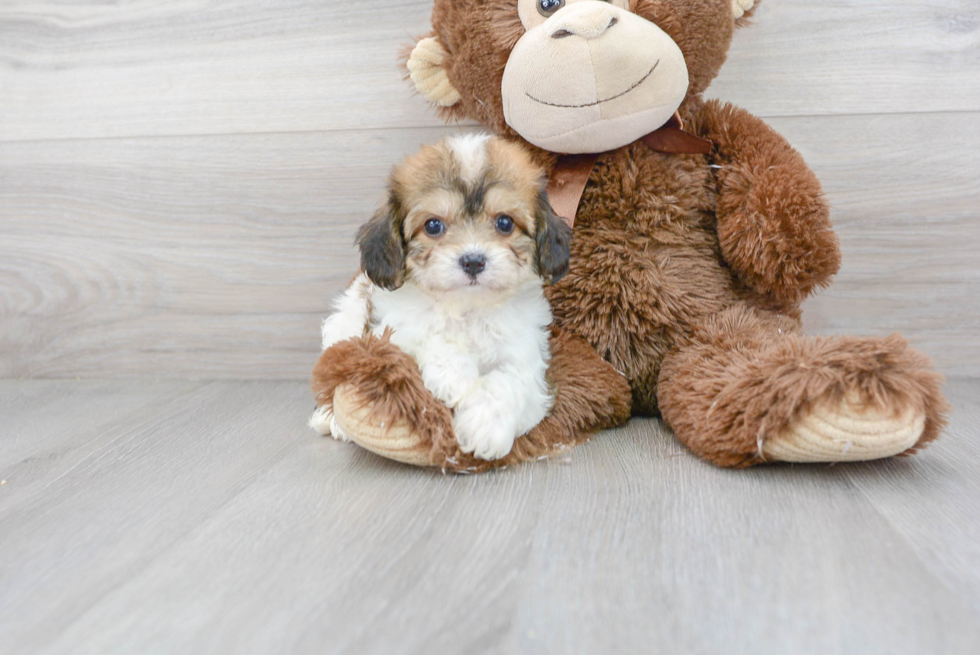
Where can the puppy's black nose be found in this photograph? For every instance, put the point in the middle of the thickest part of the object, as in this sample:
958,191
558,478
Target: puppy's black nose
473,263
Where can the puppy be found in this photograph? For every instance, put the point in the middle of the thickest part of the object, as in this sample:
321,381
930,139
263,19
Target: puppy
454,266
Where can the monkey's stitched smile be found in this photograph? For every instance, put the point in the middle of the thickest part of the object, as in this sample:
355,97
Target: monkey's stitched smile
598,102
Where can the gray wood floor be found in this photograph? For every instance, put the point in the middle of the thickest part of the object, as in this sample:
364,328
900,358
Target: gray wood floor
203,517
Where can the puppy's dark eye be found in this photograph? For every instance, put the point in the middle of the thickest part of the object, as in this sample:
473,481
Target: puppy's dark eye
434,227
548,7
505,224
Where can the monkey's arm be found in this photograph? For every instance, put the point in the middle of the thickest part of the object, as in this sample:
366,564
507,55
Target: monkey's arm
773,220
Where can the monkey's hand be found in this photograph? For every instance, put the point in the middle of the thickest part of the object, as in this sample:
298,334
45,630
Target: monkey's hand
773,221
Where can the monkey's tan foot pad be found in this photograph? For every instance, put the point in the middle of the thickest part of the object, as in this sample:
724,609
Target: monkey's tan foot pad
846,431
391,439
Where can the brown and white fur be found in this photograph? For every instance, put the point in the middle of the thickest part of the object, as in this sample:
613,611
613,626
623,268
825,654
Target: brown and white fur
454,266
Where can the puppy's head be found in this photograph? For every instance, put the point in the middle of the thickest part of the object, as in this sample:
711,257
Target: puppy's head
467,213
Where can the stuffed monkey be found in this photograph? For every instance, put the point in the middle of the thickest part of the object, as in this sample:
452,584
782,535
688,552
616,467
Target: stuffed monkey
698,232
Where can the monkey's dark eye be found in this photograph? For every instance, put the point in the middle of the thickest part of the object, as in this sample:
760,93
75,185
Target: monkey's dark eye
434,227
548,7
505,224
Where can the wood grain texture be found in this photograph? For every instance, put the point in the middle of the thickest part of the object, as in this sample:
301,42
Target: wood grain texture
905,198
205,518
805,58
215,257
200,257
86,70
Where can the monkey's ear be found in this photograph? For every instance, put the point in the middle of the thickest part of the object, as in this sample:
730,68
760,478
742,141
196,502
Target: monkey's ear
427,68
383,248
742,8
553,237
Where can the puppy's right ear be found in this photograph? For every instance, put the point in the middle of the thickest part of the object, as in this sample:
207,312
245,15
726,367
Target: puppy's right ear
383,247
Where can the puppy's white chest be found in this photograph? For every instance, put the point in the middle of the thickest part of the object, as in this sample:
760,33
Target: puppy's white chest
475,334
486,334
481,339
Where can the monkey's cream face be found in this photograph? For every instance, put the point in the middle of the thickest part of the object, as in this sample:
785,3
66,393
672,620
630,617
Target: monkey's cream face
467,215
590,76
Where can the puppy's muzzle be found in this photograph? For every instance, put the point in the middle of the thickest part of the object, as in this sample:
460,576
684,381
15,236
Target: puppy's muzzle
473,263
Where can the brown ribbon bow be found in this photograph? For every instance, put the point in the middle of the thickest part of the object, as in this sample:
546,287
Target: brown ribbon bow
571,172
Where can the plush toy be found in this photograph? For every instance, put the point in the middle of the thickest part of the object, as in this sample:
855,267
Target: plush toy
698,231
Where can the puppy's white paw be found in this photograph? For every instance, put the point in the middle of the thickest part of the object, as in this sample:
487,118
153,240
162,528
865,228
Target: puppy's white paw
449,380
324,422
484,427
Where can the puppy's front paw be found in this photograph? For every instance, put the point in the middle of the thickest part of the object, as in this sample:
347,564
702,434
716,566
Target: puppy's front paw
484,428
449,380
324,422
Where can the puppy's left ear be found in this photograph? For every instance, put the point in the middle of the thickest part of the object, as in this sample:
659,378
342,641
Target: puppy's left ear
553,238
383,246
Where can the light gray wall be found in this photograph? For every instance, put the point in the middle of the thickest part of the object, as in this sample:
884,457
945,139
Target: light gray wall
180,182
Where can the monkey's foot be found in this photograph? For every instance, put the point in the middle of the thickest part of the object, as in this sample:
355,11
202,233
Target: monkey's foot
379,402
752,390
846,431
393,438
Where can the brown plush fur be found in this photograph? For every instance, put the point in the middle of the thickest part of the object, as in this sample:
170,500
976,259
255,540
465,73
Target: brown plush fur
687,271
746,374
777,237
590,396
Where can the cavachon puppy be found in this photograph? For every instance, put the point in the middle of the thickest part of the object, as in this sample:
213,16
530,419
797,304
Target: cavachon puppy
453,267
